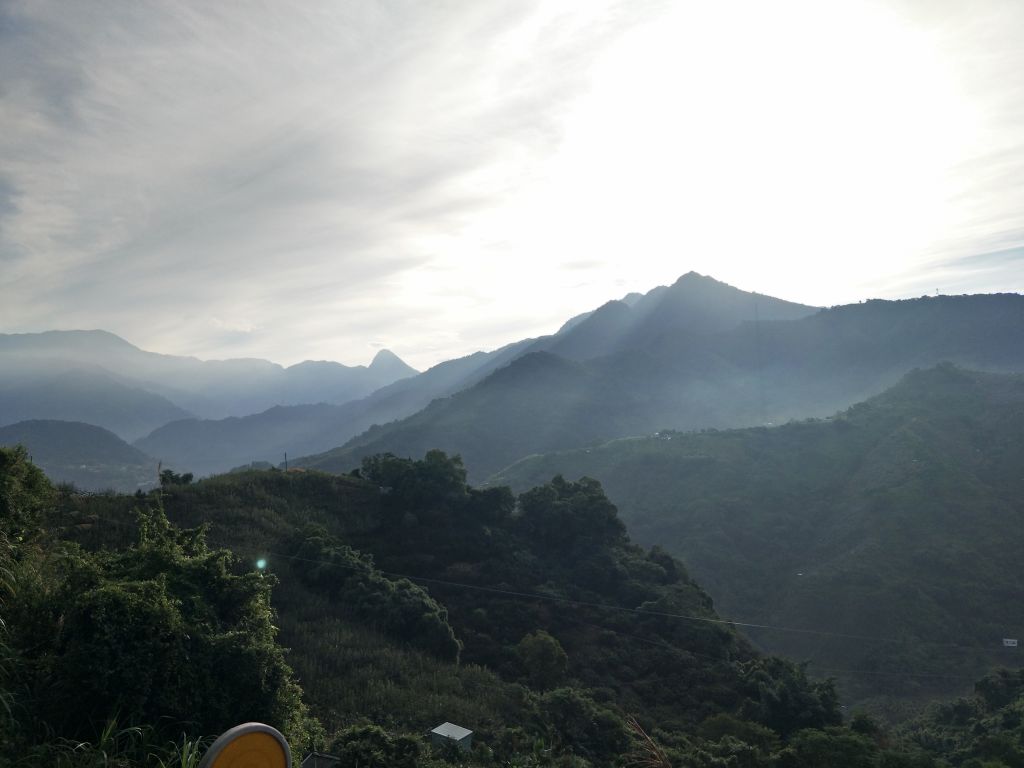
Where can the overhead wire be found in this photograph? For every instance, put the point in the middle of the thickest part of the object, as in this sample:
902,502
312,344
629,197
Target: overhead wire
620,608
648,612
538,596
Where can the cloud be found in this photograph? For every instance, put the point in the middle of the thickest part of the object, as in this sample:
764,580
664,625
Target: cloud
313,179
581,265
162,164
993,260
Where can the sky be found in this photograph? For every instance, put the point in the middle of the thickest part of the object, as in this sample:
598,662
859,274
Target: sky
320,180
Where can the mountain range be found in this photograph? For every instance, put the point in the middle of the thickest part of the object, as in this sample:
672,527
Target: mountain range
693,306
893,516
753,372
696,354
196,388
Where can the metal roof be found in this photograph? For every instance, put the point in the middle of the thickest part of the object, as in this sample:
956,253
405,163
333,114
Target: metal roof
318,759
452,731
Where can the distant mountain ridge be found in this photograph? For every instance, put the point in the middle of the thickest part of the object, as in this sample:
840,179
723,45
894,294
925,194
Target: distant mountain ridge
177,387
211,446
753,373
697,353
694,304
208,446
80,392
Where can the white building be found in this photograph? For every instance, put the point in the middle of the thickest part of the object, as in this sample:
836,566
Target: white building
320,760
450,733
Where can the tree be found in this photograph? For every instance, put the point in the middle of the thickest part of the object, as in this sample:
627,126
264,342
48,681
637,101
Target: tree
812,748
781,696
544,659
24,494
576,723
561,514
423,491
169,477
166,632
402,609
370,746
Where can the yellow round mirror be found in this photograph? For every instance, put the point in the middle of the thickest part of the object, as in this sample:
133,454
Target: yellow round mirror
251,745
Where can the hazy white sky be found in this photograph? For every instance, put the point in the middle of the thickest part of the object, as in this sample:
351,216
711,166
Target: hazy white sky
320,179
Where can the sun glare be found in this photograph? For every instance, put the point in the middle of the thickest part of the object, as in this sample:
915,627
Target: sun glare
804,150
783,146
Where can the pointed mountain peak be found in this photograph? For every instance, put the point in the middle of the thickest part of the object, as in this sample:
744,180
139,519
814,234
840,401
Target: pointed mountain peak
614,306
691,275
385,357
631,298
694,279
699,303
386,361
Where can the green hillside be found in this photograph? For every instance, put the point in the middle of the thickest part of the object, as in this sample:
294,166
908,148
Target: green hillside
886,539
532,620
541,653
428,524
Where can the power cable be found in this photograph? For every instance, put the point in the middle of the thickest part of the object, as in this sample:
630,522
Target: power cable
626,609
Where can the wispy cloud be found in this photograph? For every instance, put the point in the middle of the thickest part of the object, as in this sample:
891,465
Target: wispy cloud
315,179
993,260
166,164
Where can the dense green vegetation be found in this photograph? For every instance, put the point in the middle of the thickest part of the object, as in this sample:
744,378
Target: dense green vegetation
984,730
421,519
898,523
164,633
404,597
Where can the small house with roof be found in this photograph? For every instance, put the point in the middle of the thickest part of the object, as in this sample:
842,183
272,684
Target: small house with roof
450,733
320,760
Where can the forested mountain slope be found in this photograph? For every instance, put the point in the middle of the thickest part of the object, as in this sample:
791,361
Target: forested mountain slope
693,306
561,625
756,373
574,628
891,533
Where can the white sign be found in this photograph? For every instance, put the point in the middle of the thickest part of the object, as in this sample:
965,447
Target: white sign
1009,642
